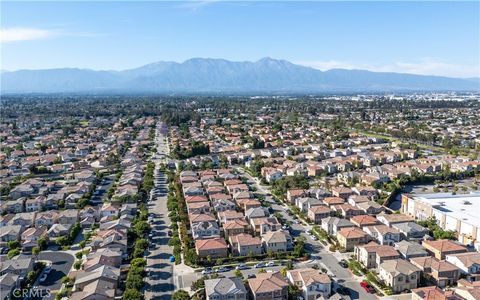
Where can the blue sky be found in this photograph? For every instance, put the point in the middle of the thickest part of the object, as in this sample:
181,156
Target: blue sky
441,38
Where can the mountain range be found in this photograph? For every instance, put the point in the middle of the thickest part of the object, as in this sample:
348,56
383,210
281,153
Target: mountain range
207,75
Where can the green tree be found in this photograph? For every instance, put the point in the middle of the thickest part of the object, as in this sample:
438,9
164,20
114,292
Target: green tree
35,252
180,295
132,294
77,265
238,274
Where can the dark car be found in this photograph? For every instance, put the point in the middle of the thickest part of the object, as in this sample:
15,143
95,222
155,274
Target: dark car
170,233
343,263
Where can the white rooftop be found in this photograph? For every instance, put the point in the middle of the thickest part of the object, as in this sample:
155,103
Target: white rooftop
464,207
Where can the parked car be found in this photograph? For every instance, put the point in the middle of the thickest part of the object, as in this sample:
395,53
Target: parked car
223,269
172,258
47,270
207,271
260,265
241,267
270,264
343,263
251,276
367,287
170,233
43,278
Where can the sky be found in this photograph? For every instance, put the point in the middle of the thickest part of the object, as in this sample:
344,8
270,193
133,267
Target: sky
437,38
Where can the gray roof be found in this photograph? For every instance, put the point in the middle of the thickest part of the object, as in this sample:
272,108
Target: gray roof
409,227
100,272
256,212
224,286
338,222
10,230
407,248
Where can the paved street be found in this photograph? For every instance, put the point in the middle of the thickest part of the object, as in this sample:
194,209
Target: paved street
159,282
101,191
61,264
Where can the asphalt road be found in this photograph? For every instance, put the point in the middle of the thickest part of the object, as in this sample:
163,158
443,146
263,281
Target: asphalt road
102,189
159,282
61,264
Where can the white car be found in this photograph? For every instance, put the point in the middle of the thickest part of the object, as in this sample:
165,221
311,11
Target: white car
270,264
241,267
207,271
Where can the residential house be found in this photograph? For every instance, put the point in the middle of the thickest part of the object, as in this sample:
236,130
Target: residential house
18,266
439,272
318,213
215,248
411,231
312,284
434,293
350,237
332,225
392,219
410,250
262,225
268,286
347,210
10,233
370,207
383,234
305,203
277,241
399,274
372,254
244,244
225,289
234,227
257,212
205,230
198,207
107,273
292,195
330,201
364,220
440,248
468,263
342,192
68,216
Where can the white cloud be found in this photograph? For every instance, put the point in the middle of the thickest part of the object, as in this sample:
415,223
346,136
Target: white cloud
426,66
18,34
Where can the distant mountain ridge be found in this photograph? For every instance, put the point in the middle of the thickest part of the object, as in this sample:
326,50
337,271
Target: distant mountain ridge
223,76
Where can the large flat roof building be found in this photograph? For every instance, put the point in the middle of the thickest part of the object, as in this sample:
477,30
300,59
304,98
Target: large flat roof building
460,213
